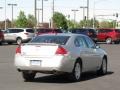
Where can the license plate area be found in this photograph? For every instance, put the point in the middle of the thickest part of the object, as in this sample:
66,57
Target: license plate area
35,62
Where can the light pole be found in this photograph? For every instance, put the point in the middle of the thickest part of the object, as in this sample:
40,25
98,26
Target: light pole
43,9
12,5
74,11
83,7
94,6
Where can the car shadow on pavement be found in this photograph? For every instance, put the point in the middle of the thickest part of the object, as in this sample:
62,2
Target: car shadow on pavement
64,79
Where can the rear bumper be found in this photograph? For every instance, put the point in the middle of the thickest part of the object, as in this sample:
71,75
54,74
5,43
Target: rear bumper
51,64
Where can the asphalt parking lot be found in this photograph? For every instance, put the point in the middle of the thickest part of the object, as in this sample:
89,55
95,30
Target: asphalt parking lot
10,79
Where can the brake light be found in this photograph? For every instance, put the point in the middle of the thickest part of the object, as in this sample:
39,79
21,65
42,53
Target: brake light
18,50
61,50
26,33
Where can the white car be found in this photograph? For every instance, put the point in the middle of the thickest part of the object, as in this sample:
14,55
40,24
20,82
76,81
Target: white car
18,35
60,53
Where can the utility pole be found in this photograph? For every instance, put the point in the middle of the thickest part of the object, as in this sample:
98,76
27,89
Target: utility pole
43,9
74,11
5,16
53,8
12,5
35,7
83,7
87,9
38,15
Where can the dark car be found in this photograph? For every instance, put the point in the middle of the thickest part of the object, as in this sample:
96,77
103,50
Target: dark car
47,31
86,31
108,35
1,37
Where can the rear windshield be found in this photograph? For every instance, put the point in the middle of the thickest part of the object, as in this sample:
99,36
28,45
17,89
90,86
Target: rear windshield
62,40
30,30
49,30
79,31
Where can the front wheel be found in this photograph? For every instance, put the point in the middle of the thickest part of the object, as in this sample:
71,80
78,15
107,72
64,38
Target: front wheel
76,73
103,69
109,40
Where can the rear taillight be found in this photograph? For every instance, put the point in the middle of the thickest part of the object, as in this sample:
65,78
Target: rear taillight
18,50
61,50
26,33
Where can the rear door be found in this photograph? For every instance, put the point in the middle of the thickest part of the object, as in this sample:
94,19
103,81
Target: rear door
101,36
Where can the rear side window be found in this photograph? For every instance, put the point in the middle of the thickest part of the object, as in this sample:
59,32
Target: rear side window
58,30
30,30
92,31
80,42
104,30
15,30
62,40
117,30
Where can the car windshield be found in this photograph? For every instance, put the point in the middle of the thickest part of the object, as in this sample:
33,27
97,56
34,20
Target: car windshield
62,40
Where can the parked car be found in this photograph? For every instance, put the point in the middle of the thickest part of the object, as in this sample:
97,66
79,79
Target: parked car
86,31
1,37
18,35
109,35
60,53
47,30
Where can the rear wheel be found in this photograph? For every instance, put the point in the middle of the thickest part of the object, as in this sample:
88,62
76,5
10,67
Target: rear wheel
28,76
109,40
103,69
19,41
76,74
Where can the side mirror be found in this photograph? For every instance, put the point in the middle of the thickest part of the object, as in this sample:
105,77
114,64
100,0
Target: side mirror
97,46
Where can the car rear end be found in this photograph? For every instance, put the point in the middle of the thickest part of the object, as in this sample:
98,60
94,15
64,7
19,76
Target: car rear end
43,55
28,34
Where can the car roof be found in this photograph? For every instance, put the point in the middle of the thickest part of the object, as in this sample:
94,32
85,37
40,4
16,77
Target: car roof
63,34
106,29
20,28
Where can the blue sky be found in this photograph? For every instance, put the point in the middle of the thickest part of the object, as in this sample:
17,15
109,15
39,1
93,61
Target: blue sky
106,7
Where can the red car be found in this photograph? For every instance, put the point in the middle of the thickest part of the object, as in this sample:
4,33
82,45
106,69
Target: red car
1,37
108,35
47,30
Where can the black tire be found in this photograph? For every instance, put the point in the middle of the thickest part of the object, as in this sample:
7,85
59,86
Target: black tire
28,76
103,69
116,42
109,40
9,43
76,73
19,41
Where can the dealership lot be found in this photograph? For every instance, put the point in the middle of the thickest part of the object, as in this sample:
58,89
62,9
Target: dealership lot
10,79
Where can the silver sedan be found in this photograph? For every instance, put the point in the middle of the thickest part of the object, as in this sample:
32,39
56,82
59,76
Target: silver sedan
60,53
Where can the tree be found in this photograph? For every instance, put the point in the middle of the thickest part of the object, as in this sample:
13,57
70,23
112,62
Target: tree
21,21
60,20
31,21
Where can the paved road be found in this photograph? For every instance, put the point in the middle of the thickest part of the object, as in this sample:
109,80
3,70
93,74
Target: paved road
10,79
